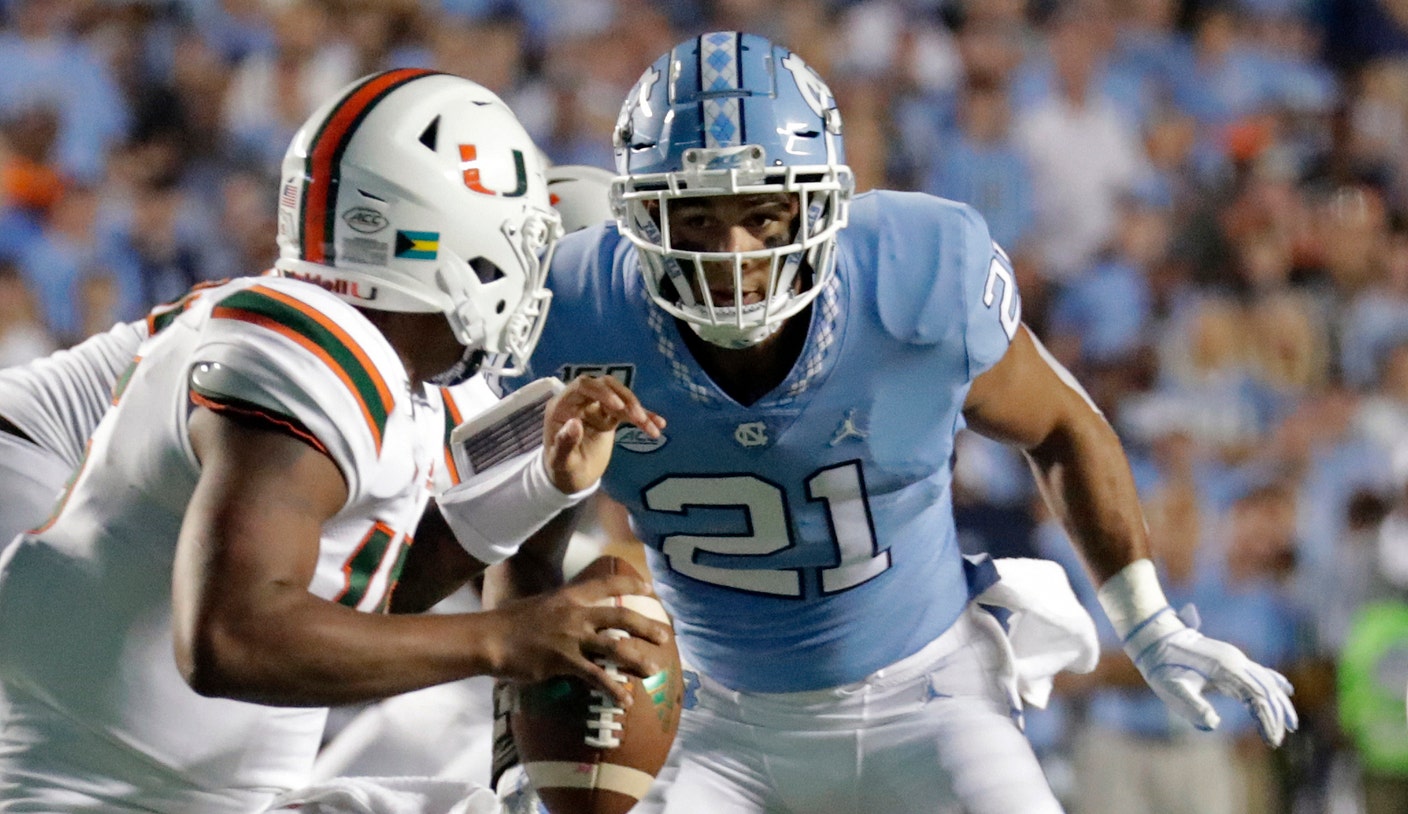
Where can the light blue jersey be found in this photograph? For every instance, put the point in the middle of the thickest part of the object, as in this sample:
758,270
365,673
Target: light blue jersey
808,539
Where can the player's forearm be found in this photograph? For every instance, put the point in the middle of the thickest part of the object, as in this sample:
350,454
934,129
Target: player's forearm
1086,481
435,567
299,650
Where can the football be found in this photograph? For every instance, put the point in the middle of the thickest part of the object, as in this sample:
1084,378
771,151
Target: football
583,754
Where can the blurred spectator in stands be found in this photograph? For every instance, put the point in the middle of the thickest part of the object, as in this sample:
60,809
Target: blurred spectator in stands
1267,230
99,304
29,176
985,48
56,260
1376,317
1383,413
159,246
1083,154
1318,447
1127,89
1168,139
43,63
869,127
1150,47
1203,383
1379,121
1102,319
492,50
246,221
273,90
979,164
1353,240
23,336
1289,352
233,29
1226,84
383,33
1357,31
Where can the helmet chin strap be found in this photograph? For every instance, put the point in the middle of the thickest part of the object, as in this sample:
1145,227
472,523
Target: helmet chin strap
467,365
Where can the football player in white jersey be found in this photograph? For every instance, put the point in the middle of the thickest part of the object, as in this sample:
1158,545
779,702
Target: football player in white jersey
265,462
817,352
445,730
48,409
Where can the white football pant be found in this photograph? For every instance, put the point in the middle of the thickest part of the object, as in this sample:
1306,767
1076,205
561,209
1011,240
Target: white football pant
930,734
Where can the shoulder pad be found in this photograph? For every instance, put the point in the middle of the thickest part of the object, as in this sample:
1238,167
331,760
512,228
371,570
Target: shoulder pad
925,249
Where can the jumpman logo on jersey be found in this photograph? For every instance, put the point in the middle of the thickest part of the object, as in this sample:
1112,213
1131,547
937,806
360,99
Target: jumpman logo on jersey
848,429
751,434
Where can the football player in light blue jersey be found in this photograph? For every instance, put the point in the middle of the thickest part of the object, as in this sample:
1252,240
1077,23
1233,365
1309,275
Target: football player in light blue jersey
815,353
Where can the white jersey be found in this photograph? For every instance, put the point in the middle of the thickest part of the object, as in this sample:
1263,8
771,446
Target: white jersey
85,601
58,400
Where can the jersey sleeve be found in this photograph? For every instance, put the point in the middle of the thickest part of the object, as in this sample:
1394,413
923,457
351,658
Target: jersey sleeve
303,363
994,309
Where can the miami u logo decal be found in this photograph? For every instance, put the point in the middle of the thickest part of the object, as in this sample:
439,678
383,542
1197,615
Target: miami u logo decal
469,157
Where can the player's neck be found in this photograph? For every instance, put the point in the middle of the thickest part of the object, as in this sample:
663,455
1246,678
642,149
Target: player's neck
748,374
424,342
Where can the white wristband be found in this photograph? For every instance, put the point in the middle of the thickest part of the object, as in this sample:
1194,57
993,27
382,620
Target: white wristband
494,512
1132,596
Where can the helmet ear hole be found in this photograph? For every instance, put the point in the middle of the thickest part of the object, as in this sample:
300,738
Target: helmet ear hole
486,271
499,309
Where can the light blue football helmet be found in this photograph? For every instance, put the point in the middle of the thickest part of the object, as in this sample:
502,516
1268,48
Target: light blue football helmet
728,113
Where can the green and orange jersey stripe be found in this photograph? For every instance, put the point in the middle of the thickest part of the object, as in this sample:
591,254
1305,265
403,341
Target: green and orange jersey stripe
318,334
67,492
394,578
452,420
322,174
163,315
361,567
120,386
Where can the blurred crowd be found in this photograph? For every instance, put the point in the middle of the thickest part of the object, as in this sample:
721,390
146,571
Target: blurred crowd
1206,203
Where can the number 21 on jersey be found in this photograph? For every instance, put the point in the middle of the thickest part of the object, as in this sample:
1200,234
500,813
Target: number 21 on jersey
769,529
1001,290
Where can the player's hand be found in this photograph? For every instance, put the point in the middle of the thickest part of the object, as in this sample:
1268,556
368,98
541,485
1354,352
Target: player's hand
1180,663
562,631
579,429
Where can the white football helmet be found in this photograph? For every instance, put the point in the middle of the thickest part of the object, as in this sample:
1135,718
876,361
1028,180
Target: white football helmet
729,114
417,191
580,194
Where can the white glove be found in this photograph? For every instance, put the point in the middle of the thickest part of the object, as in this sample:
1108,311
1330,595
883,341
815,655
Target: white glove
1180,663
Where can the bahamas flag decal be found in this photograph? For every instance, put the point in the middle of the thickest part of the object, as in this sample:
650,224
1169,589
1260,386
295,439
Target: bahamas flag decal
417,245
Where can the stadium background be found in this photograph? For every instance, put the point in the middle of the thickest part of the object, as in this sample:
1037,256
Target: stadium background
1206,202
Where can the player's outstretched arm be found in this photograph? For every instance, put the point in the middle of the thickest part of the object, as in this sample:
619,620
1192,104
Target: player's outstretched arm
1030,400
247,628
